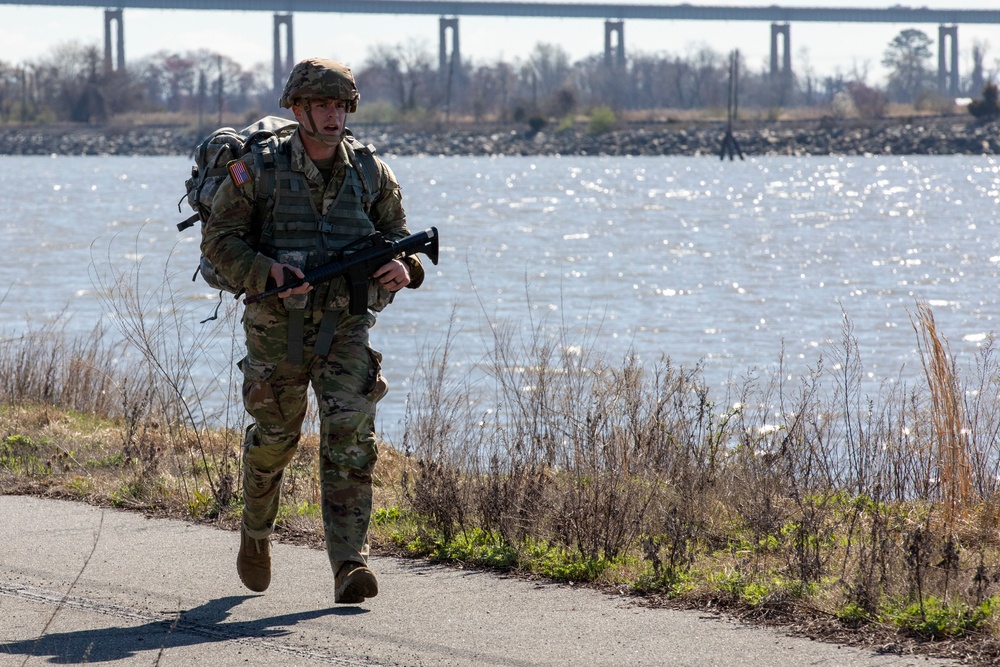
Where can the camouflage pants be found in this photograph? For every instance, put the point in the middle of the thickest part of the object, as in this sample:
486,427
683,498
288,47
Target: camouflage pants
347,384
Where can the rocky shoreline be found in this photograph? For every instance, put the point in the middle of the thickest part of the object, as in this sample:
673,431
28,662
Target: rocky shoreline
931,136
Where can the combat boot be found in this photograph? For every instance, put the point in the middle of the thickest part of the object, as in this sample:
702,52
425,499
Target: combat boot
354,582
253,563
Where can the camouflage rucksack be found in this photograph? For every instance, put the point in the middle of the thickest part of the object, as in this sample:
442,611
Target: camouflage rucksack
210,168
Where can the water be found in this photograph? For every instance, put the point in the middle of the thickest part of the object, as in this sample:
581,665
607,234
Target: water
732,264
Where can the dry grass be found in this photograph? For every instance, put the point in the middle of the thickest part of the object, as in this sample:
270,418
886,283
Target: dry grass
948,419
813,495
816,493
77,420
188,121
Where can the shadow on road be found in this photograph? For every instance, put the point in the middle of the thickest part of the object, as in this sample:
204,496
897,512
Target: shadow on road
204,624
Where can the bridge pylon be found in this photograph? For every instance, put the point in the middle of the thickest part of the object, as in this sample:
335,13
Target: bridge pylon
114,58
282,66
948,82
448,59
614,44
781,74
784,31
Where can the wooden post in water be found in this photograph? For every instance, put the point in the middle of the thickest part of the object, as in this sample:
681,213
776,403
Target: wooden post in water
729,145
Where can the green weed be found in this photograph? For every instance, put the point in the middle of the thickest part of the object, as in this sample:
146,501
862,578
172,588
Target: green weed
671,582
20,454
302,510
115,460
201,504
477,547
561,564
137,493
852,614
937,619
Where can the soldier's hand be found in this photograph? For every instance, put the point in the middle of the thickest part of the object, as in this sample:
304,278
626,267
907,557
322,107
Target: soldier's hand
393,276
281,274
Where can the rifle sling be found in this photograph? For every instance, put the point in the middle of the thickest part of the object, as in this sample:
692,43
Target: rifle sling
296,332
327,328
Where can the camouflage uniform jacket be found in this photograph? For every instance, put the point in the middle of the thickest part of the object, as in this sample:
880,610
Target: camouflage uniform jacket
226,239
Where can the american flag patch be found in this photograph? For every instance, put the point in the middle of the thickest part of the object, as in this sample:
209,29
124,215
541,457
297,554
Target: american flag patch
238,170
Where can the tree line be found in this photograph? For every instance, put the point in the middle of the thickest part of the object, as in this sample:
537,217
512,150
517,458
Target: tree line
404,82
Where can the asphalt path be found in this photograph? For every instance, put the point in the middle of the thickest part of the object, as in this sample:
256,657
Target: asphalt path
86,585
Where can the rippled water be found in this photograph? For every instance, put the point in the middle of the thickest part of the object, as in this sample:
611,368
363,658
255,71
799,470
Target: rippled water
729,263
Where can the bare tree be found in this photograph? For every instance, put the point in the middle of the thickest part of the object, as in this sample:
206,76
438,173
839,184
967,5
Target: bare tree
402,70
201,81
906,56
168,79
807,77
547,69
73,76
489,89
10,87
71,83
978,77
708,78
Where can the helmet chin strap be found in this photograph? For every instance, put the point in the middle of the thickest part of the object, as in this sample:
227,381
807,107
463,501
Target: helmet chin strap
313,132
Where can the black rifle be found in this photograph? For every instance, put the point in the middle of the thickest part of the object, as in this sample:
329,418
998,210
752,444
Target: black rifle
358,267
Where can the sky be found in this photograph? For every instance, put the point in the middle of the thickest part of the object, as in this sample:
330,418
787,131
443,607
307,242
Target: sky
29,32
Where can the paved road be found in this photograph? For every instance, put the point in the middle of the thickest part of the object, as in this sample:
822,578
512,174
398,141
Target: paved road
83,585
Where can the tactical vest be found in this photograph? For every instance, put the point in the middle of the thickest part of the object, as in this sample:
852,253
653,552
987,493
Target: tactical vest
298,235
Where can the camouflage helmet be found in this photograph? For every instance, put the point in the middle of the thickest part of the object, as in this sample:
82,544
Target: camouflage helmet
320,78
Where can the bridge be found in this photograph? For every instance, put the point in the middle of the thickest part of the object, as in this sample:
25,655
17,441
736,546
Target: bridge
613,14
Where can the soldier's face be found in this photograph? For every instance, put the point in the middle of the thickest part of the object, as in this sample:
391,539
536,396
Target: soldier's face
328,115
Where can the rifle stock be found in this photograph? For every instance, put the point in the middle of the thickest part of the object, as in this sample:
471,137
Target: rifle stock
358,267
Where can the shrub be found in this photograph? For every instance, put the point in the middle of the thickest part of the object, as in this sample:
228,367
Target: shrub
986,108
843,106
536,123
602,120
869,102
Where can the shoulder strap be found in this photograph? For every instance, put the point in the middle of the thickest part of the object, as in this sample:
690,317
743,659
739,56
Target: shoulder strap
364,161
263,145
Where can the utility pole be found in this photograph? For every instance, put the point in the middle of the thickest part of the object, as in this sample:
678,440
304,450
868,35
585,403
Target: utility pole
202,94
219,89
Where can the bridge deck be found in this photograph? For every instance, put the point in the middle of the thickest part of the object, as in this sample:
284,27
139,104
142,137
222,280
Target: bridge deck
895,14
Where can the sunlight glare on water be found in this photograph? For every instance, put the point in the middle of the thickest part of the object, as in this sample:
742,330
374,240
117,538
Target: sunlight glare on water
733,264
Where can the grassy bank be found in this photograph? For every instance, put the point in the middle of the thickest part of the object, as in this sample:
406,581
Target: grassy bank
808,502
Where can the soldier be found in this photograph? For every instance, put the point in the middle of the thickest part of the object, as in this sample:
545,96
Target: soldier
329,191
